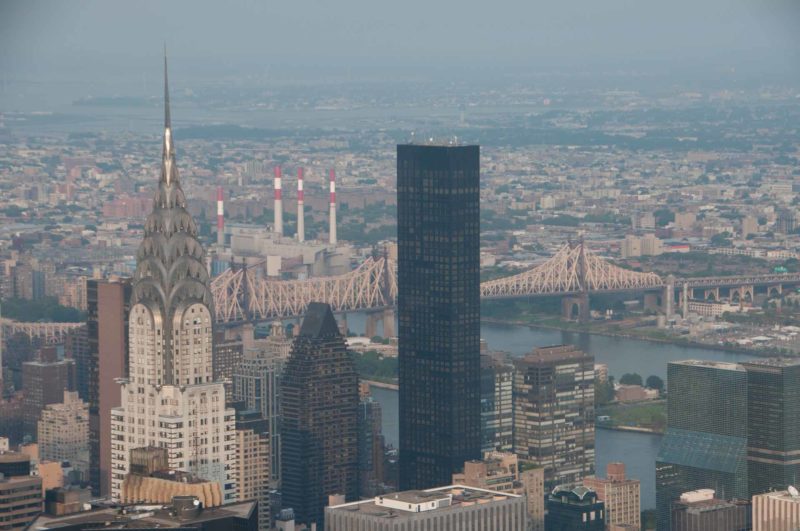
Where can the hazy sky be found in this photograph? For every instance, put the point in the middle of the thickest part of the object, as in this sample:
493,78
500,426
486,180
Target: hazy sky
60,40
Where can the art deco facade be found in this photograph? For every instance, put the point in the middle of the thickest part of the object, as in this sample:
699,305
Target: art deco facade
439,311
64,432
554,413
319,403
169,398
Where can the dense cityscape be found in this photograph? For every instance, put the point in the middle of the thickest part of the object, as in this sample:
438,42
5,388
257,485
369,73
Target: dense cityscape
534,301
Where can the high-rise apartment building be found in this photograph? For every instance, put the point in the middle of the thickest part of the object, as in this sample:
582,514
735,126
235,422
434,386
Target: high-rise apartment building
64,433
253,460
773,429
497,404
439,311
370,448
554,413
256,382
108,305
44,382
705,444
621,495
319,404
227,356
169,399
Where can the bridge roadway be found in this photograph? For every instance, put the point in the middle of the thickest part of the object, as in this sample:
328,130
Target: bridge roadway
574,272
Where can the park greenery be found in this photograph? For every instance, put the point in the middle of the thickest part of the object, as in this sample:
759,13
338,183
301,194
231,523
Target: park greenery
372,365
42,309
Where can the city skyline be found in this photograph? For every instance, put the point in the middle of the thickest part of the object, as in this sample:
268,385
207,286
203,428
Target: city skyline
397,265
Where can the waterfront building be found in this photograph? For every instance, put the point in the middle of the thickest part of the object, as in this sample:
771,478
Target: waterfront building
554,413
169,399
776,511
621,495
574,509
439,311
700,511
773,431
497,404
705,444
450,508
108,306
319,405
64,433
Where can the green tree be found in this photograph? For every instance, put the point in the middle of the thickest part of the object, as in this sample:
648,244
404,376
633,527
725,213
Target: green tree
631,379
654,382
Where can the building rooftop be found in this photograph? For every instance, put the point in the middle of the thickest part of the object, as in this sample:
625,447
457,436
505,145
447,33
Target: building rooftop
555,353
722,365
141,517
408,503
773,362
782,495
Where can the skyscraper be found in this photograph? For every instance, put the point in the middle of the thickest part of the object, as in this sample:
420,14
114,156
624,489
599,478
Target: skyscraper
439,311
256,382
705,445
319,403
554,412
497,404
773,430
169,399
108,305
44,382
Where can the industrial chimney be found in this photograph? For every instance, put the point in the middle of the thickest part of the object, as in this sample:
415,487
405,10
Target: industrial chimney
332,232
278,202
220,218
301,222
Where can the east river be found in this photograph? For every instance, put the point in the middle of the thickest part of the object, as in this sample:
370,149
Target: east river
637,450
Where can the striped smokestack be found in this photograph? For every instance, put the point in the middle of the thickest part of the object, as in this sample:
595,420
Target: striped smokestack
332,232
278,202
220,218
301,222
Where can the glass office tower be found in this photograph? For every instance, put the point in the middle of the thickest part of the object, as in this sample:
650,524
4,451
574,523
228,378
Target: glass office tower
705,445
438,233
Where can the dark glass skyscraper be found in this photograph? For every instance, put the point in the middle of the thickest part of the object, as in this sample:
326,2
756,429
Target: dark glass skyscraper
438,233
705,445
773,427
319,403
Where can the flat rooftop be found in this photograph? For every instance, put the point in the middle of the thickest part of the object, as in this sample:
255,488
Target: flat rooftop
139,517
457,496
721,365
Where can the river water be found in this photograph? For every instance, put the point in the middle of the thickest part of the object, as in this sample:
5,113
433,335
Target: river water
637,450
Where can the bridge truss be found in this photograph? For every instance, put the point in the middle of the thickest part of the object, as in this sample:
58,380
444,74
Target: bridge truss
573,269
243,294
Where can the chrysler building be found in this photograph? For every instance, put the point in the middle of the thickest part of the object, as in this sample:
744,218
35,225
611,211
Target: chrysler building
169,399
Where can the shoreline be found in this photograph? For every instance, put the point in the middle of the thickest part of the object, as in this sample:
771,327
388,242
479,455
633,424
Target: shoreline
629,429
687,344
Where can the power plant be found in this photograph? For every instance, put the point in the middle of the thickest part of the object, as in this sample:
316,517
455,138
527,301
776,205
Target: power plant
271,250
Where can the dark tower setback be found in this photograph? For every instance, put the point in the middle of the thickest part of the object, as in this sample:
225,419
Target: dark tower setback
438,233
319,402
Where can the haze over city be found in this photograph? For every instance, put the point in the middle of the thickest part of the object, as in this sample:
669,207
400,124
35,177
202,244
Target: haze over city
381,266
